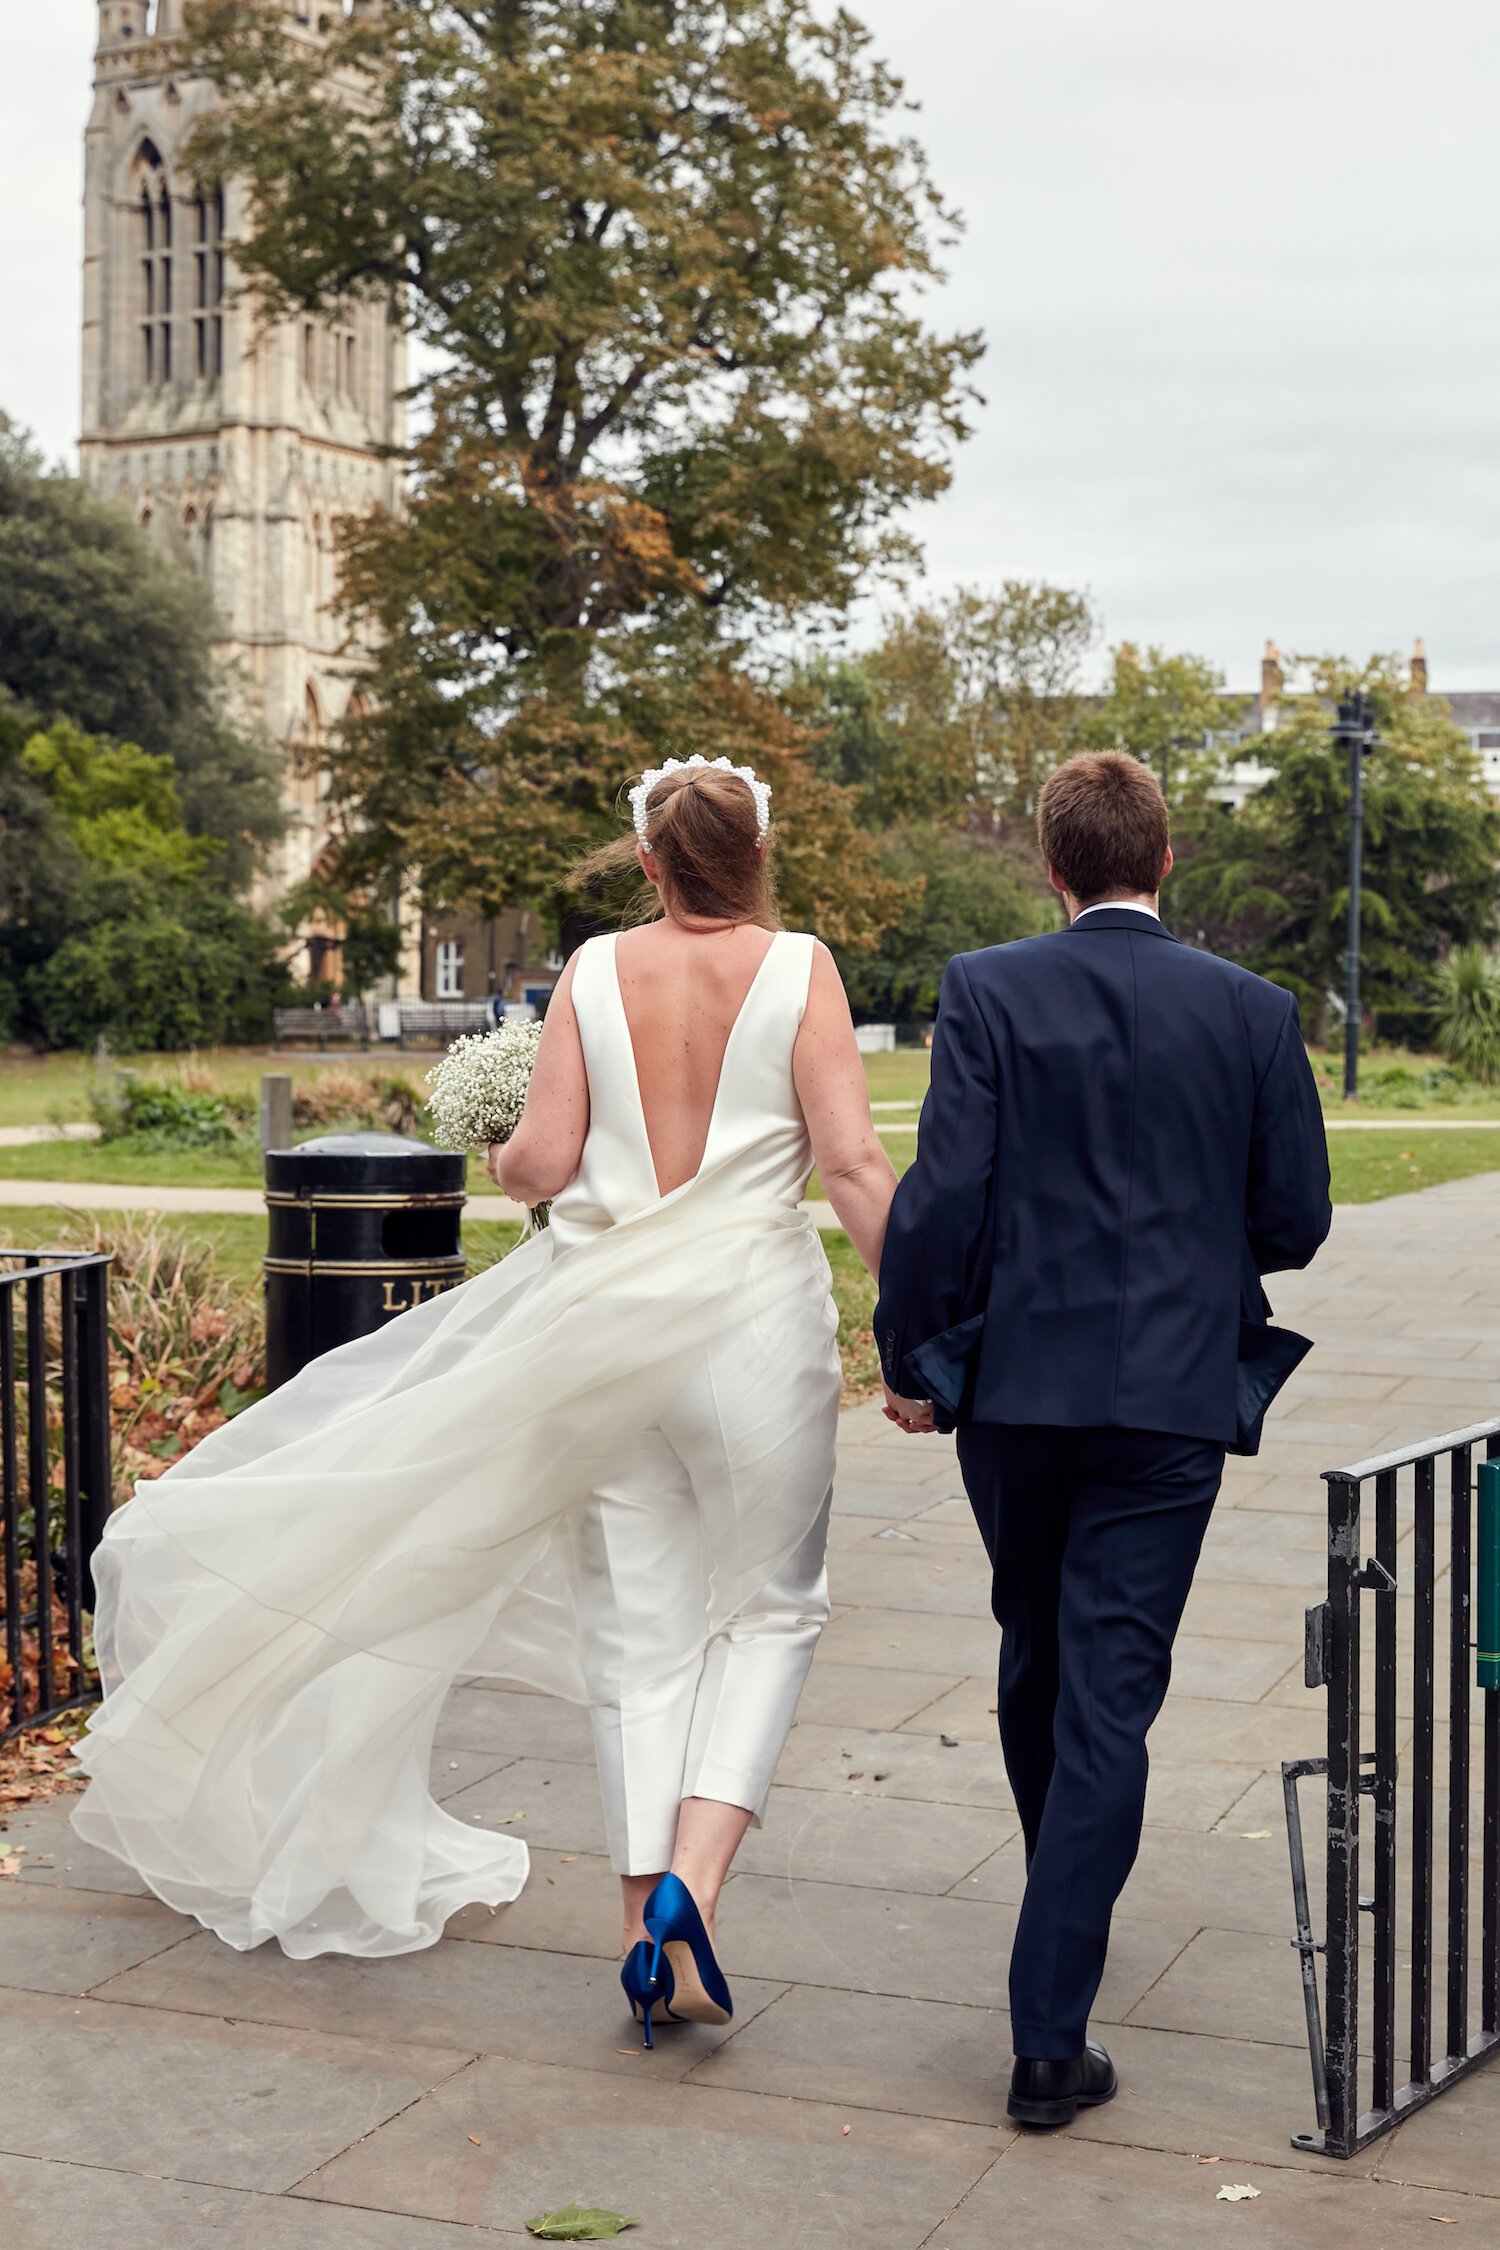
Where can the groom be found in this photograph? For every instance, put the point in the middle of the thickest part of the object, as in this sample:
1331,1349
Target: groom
1122,1135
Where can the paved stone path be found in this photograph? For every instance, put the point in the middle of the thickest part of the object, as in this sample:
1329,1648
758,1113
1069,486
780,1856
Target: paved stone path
163,2093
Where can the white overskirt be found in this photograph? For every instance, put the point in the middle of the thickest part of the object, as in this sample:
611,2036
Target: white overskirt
281,1615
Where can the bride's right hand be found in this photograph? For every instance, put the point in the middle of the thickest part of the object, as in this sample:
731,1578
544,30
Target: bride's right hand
492,1163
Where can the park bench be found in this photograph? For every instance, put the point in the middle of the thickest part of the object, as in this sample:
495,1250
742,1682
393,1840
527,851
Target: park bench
328,1026
427,1023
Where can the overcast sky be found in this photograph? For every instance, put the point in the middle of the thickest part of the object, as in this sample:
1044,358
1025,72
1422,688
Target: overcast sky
1237,267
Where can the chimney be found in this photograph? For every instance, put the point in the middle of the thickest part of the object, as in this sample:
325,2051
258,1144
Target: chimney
1272,679
1419,669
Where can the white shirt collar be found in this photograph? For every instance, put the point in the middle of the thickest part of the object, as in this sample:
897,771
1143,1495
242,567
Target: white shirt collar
1117,906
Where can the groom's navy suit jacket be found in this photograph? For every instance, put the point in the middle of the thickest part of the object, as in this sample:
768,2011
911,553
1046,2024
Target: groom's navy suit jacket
1121,1136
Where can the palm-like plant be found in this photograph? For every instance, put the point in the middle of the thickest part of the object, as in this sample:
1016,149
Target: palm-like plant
1466,988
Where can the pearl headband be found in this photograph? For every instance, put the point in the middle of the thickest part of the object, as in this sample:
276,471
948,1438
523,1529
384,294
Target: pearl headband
759,790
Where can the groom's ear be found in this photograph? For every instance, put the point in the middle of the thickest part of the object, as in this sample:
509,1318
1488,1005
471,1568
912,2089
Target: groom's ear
1057,882
1166,868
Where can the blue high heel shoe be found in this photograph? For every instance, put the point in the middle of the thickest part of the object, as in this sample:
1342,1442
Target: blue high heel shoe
682,1965
644,1994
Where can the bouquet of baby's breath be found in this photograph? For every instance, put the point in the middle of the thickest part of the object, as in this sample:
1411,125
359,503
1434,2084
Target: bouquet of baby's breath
478,1090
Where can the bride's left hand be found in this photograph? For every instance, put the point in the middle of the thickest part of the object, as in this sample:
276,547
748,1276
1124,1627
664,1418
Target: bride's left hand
914,1415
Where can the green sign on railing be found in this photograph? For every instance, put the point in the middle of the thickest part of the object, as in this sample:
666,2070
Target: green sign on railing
1487,1559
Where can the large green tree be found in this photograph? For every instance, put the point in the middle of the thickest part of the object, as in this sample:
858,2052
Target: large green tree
99,627
1269,884
667,257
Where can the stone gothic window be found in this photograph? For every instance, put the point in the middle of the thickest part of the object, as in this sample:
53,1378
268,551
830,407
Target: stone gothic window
154,217
208,285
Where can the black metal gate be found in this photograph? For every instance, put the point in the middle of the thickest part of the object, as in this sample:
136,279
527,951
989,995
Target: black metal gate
1413,1821
54,1475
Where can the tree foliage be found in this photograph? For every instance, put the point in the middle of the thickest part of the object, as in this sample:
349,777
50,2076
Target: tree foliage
100,628
1166,710
1269,884
667,258
964,890
961,711
114,920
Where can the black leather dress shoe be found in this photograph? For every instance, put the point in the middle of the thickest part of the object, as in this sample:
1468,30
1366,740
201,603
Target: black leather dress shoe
1052,2093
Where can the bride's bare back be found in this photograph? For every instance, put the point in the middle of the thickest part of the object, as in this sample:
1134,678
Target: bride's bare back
683,990
683,981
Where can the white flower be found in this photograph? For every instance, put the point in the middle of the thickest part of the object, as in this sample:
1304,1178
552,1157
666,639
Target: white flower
479,1087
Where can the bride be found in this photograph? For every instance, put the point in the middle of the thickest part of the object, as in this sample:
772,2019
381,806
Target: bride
601,1469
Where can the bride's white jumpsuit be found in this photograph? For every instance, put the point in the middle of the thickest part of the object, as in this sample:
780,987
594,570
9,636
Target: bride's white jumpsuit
601,1468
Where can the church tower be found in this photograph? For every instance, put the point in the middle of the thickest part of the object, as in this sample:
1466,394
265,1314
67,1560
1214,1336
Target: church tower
241,446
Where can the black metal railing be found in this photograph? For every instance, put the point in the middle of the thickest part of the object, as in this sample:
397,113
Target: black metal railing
1401,1537
54,1475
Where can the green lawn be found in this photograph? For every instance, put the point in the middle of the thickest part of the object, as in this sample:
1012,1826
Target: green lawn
900,1076
1368,1166
51,1089
101,1161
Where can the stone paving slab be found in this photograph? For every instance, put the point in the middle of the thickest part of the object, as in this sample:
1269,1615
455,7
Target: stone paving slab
66,1941
950,1948
737,2170
138,2089
47,2206
450,2095
1067,2192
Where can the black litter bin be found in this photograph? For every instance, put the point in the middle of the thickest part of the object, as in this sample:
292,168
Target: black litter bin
362,1226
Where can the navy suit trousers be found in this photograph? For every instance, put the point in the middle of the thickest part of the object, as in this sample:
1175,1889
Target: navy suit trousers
1093,1537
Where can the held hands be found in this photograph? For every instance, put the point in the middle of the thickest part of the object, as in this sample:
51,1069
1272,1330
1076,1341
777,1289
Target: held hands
914,1415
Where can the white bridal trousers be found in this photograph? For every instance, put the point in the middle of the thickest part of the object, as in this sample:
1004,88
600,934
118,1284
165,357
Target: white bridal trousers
645,1547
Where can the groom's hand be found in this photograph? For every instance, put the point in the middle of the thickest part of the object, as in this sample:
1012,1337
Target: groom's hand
914,1415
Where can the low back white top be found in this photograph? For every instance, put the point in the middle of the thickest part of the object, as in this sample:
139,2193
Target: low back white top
757,1149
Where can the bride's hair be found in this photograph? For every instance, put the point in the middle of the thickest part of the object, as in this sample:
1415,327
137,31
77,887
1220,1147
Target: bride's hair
703,831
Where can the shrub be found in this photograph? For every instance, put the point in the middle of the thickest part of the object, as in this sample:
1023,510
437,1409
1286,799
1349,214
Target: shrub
158,975
1466,988
163,1114
1397,1087
352,1098
187,1345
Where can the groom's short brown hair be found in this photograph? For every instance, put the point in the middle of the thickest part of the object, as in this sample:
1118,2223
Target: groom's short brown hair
1102,824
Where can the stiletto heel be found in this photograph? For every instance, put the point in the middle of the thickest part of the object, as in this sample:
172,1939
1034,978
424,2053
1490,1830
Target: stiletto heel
682,1960
647,1982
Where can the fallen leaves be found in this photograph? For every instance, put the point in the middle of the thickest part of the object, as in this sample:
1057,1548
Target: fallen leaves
575,2224
1237,2195
39,1763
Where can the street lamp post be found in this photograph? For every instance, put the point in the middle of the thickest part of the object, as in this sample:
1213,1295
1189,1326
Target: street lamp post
1354,728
